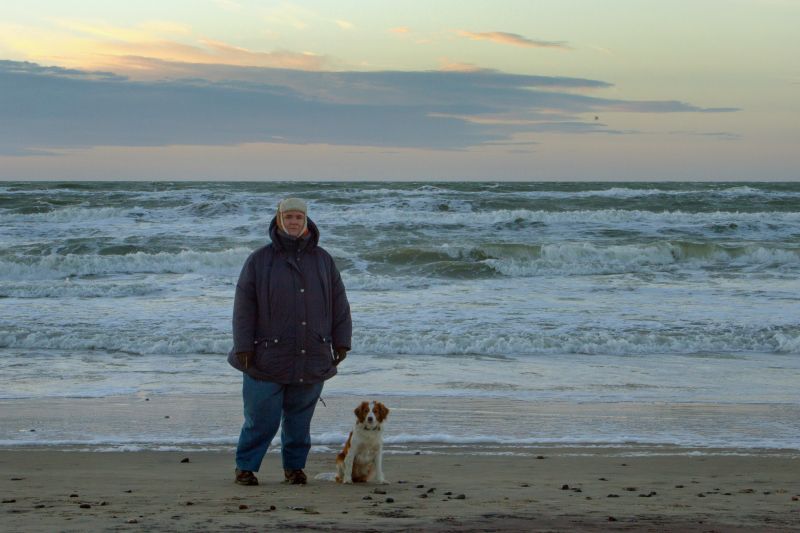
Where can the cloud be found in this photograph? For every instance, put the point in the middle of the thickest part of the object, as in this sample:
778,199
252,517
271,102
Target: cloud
512,39
226,105
345,25
401,30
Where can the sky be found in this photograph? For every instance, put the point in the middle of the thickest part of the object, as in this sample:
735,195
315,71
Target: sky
415,90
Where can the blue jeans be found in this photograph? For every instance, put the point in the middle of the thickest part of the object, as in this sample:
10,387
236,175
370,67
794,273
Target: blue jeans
268,405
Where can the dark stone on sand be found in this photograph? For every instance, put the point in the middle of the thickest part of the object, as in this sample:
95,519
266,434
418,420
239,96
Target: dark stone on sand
272,507
189,503
540,457
17,478
389,500
33,431
420,486
39,506
612,519
103,504
402,481
417,453
242,507
448,493
461,497
728,494
747,491
795,498
185,460
132,521
576,490
588,497
423,495
766,492
613,496
73,495
524,485
630,489
624,464
367,497
129,491
85,506
678,486
379,491
564,487
9,500
601,479
701,495
431,490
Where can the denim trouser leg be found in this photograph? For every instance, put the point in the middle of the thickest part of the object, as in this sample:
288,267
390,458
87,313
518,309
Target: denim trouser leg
299,402
262,416
265,403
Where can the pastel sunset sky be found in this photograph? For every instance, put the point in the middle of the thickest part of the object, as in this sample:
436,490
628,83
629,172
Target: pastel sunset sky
435,89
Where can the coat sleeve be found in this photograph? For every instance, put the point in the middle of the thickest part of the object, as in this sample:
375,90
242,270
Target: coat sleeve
245,309
342,322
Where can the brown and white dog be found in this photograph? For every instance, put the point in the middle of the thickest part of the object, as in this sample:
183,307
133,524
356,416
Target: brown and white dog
361,460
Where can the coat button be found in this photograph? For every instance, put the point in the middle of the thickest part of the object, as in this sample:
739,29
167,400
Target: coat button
301,380
302,290
302,351
303,323
276,340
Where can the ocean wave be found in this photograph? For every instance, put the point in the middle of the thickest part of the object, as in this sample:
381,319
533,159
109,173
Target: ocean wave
222,263
73,289
707,339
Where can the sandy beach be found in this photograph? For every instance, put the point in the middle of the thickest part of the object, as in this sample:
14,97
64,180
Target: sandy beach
553,489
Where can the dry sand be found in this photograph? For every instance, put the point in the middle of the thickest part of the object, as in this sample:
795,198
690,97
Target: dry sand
566,490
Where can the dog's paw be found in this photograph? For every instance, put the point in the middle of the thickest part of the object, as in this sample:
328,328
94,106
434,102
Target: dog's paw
381,481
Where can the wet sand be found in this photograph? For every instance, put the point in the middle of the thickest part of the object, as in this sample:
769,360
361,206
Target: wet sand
548,489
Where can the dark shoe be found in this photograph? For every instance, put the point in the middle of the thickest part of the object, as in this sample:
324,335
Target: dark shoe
245,477
295,477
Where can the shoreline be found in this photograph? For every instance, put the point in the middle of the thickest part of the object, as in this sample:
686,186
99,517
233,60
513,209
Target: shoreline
556,489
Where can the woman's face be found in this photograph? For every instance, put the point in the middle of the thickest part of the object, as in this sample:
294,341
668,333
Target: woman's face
294,222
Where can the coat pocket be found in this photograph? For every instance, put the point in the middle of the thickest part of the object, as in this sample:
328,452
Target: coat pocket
274,357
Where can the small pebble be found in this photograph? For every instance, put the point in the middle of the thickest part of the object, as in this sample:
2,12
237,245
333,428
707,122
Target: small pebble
417,453
624,464
103,504
701,495
73,495
367,498
601,479
379,491
185,460
423,495
588,497
389,500
189,503
39,506
448,493
766,492
678,486
524,485
576,490
461,497
613,496
728,494
85,506
132,521
402,481
540,456
431,490
630,489
795,498
564,487
33,431
17,478
272,507
420,486
243,507
9,500
129,491
612,519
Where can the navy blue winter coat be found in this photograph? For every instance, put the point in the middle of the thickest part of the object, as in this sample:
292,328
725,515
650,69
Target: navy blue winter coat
290,308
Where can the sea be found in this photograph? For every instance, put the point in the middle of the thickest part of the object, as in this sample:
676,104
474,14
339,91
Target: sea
491,316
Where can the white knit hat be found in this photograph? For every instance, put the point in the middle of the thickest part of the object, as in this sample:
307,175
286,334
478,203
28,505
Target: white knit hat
292,204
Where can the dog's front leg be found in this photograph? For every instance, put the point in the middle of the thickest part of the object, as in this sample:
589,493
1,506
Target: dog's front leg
379,468
347,476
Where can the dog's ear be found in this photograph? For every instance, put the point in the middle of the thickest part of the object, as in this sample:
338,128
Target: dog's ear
381,411
361,411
